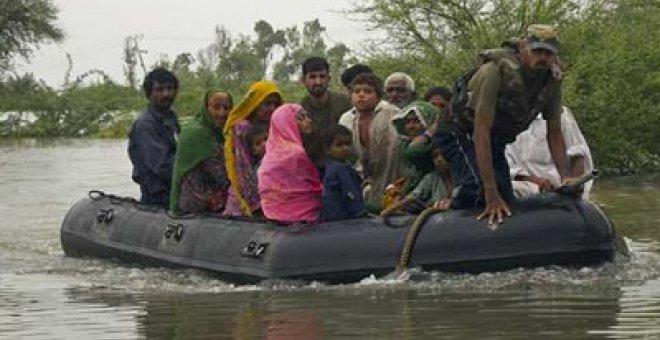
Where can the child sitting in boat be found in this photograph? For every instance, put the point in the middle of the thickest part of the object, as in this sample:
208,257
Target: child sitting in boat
412,124
342,186
255,138
434,190
289,183
374,138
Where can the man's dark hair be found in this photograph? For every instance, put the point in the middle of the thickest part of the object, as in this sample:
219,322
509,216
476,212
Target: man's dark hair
333,132
350,73
438,91
160,75
315,64
369,79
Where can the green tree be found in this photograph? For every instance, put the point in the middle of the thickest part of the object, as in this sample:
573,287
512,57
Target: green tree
437,39
24,25
306,43
613,83
610,46
266,43
92,104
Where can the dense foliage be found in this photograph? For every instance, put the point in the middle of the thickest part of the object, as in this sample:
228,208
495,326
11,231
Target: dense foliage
24,24
611,49
93,104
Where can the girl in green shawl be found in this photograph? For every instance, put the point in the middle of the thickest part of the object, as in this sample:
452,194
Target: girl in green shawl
199,182
412,124
430,182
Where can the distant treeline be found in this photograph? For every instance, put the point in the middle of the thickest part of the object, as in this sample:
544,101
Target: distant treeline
610,48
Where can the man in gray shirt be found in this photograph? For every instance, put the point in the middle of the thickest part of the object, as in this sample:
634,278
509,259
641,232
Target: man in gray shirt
152,139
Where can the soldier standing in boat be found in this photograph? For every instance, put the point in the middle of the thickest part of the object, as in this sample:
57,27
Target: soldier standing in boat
499,101
152,138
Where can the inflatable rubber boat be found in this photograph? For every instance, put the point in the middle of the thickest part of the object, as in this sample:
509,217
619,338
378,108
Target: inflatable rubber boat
549,229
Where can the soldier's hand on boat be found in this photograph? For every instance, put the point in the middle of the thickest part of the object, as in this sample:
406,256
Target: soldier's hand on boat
496,209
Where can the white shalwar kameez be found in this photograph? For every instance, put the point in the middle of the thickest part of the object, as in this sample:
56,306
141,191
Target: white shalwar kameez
530,155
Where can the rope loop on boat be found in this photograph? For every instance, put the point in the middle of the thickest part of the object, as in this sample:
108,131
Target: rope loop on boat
97,195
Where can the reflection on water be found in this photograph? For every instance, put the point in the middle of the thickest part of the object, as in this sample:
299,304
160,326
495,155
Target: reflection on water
640,313
44,295
37,307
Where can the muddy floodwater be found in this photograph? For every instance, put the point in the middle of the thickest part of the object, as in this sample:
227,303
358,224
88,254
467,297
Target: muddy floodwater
44,295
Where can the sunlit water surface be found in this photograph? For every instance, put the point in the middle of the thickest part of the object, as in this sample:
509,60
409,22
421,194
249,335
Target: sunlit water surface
44,295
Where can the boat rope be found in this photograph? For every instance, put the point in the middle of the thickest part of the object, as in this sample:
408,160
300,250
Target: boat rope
402,208
96,195
411,238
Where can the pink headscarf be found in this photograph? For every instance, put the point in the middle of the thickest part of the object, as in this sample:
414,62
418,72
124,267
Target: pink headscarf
289,184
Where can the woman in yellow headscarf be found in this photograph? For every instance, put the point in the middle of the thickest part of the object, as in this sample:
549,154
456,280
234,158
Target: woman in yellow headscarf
256,107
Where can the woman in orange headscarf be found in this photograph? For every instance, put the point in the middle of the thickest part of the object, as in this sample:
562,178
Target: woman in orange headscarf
256,107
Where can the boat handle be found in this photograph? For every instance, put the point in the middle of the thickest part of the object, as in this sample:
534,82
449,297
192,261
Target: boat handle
174,230
105,215
261,250
254,249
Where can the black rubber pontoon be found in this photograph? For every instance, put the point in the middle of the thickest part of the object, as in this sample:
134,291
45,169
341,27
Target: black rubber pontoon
545,230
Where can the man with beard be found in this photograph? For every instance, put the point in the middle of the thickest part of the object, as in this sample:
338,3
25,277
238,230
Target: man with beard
399,89
503,97
324,106
152,139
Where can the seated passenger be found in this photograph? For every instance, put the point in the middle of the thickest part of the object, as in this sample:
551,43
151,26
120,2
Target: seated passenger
289,183
374,137
199,181
350,73
399,89
347,78
439,96
532,168
152,139
342,186
415,146
257,106
256,137
434,190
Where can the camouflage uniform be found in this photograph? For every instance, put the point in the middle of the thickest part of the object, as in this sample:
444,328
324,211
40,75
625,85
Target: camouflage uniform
513,96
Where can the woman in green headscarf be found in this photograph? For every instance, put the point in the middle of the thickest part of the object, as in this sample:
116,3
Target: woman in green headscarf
412,124
199,181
